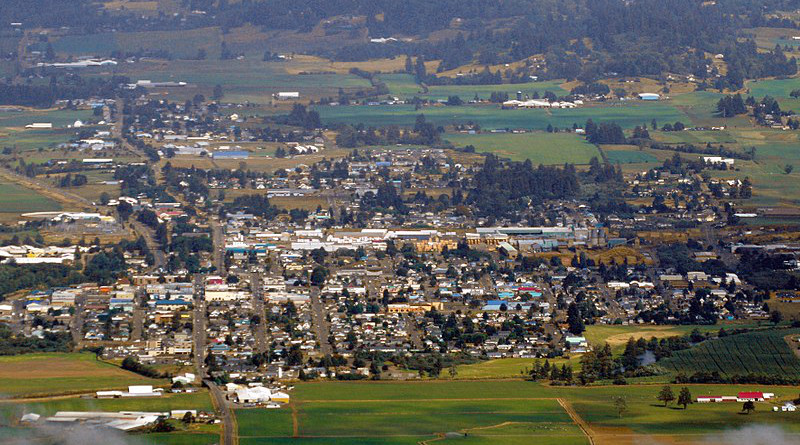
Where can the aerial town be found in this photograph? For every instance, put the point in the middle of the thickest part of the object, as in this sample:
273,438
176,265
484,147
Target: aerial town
323,224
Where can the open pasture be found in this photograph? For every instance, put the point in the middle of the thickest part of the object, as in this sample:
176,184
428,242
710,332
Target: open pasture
539,147
248,80
777,88
374,420
500,412
62,373
15,199
493,117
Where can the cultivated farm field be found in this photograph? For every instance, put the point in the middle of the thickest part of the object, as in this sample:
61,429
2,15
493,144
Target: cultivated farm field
750,353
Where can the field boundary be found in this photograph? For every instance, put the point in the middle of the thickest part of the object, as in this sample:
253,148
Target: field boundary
577,419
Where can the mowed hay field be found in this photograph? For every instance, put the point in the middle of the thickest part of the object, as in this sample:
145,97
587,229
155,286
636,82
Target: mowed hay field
507,412
62,373
540,147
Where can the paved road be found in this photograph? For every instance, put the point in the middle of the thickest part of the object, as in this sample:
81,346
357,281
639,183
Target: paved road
138,316
415,334
199,327
76,324
260,331
218,241
229,433
159,257
318,319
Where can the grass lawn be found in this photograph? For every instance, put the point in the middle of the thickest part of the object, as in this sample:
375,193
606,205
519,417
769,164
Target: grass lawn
62,373
540,147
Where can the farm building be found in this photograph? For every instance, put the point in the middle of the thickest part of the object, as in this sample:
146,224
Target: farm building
285,95
753,396
258,394
232,154
787,407
649,96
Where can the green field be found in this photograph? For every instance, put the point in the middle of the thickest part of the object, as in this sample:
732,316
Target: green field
372,420
249,80
16,199
777,88
184,44
59,118
493,117
62,373
497,412
507,368
540,147
403,86
200,401
749,353
196,434
629,157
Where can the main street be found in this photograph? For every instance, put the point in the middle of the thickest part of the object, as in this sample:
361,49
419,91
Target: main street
260,329
320,321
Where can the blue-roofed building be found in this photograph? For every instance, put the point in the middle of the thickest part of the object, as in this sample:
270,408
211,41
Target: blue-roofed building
172,304
125,304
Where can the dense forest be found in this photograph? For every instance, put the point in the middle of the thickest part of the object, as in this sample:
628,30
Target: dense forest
500,189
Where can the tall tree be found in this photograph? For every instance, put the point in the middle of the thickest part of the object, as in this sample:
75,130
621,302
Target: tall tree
666,395
684,397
